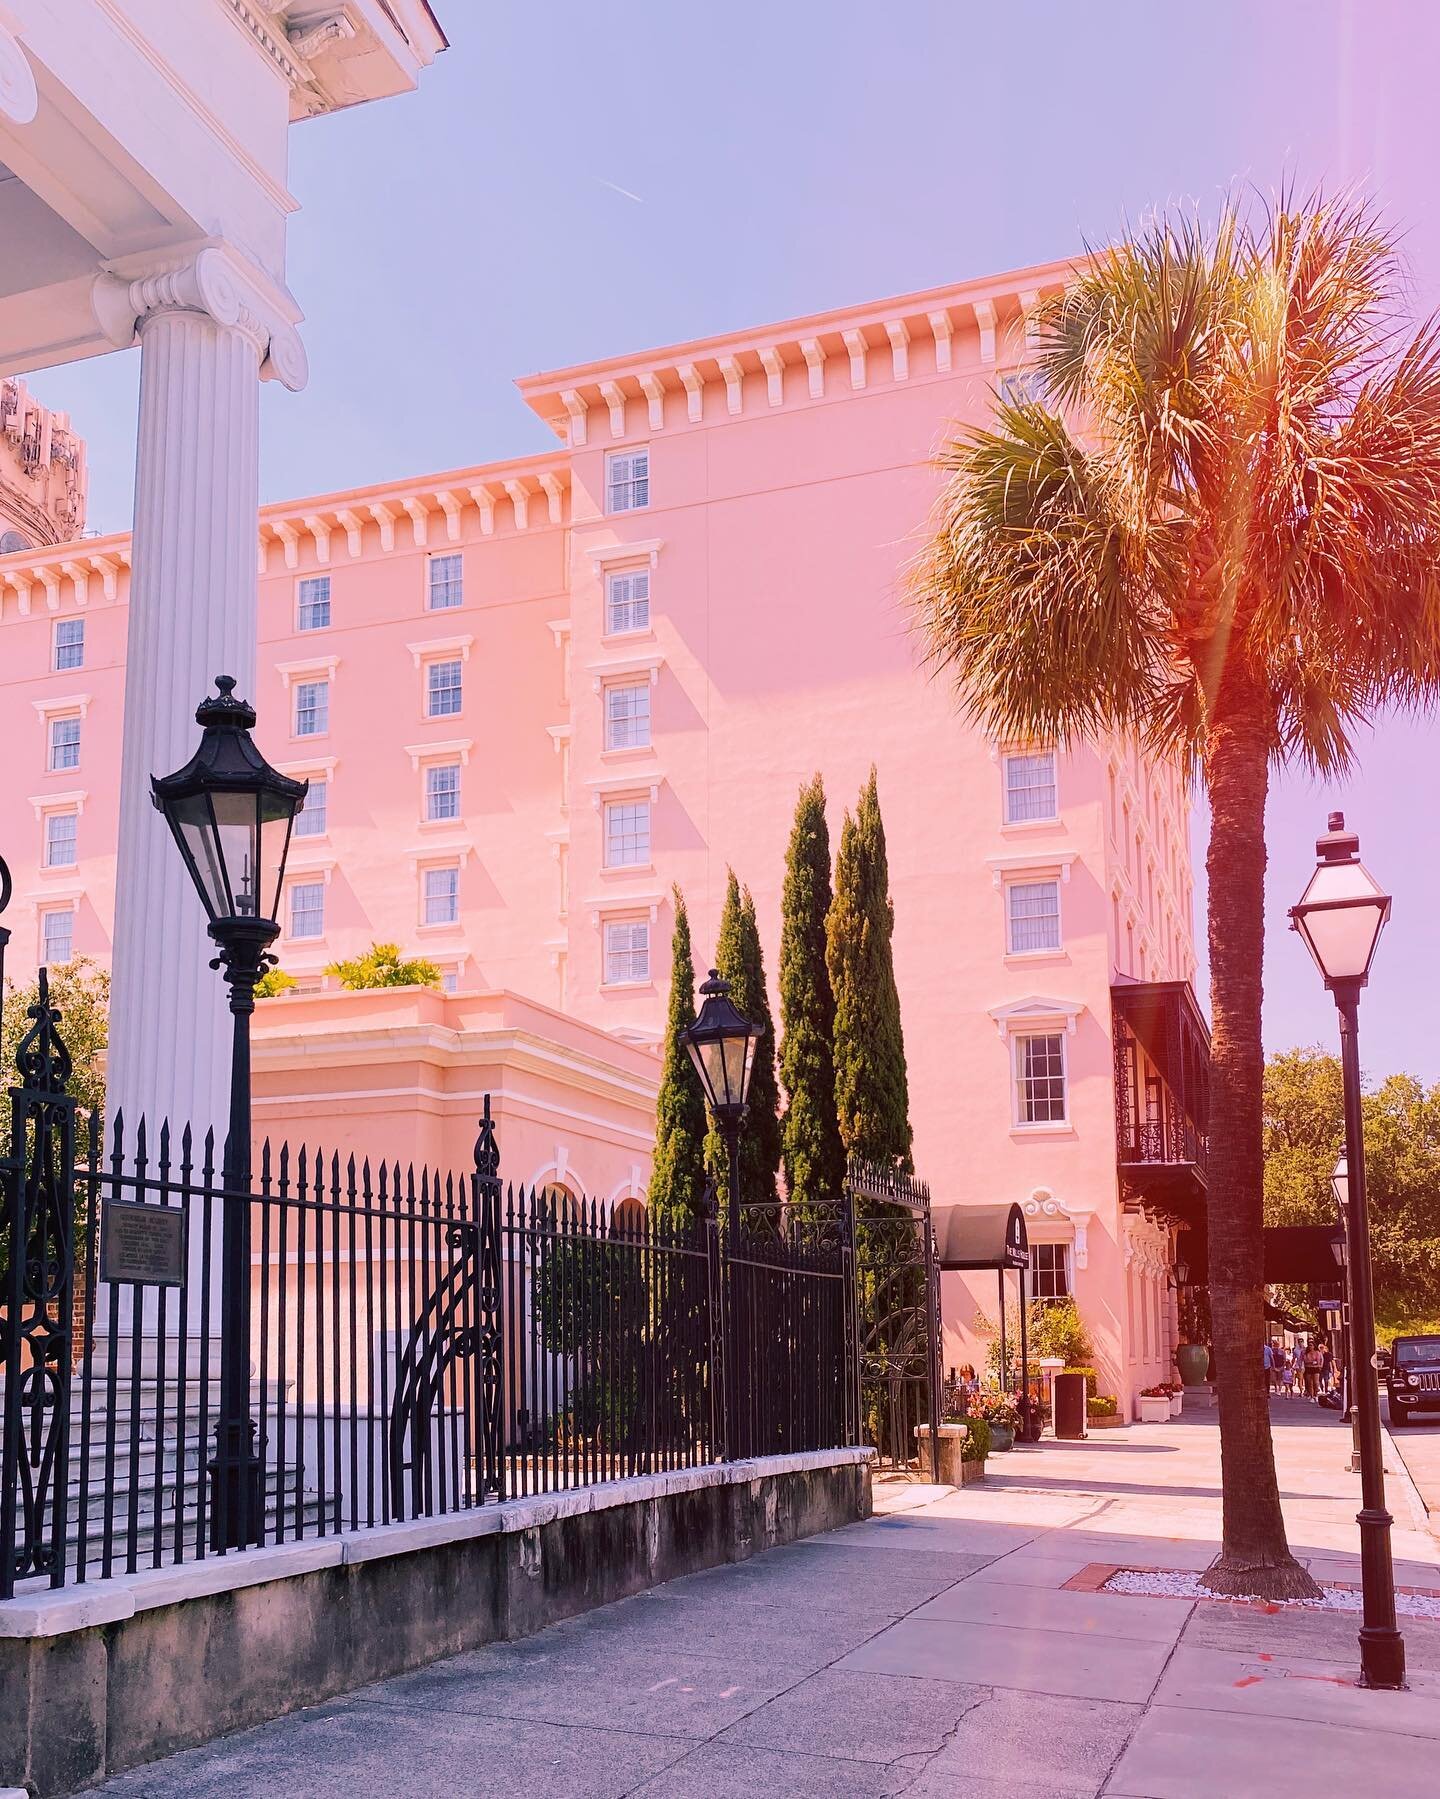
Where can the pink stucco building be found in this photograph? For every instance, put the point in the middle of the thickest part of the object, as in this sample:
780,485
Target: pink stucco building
532,695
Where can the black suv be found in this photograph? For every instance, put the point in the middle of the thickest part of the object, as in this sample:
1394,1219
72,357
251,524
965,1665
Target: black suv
1412,1376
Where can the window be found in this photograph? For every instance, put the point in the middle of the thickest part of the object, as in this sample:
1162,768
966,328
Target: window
627,601
447,583
442,689
307,909
69,643
1040,1079
314,608
627,480
442,895
627,833
627,951
60,839
1029,787
64,743
627,716
1050,1270
312,708
57,934
449,980
312,820
1033,916
442,790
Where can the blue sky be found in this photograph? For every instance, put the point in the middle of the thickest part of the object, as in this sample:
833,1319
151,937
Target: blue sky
780,159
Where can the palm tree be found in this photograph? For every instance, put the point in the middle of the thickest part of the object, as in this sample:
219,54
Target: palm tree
1212,525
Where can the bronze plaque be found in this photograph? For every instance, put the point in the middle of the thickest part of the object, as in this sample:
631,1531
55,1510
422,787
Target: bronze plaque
143,1244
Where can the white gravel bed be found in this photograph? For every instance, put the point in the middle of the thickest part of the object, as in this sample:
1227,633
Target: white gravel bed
1173,1584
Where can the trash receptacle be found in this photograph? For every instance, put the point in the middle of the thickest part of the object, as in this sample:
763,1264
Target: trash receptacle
1069,1400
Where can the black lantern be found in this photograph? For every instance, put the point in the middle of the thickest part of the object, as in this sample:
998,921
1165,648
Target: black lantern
1343,909
231,813
722,1046
1340,916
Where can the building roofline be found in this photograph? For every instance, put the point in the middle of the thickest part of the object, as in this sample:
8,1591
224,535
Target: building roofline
1012,282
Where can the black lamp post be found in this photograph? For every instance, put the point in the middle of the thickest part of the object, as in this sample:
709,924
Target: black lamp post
1340,916
1340,1249
231,813
722,1043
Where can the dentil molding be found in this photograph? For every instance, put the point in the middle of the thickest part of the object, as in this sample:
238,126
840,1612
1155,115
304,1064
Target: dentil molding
212,280
19,97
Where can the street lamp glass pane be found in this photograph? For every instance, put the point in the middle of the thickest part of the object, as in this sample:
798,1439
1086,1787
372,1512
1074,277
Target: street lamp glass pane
1340,1183
738,1053
717,1073
194,825
276,816
236,818
1342,936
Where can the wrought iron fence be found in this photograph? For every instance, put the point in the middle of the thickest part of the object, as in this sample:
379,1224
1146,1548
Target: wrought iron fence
420,1341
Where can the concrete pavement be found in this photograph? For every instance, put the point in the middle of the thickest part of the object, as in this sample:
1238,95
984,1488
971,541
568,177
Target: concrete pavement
1418,1443
944,1647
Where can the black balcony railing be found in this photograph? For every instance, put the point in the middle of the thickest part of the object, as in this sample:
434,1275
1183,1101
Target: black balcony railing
1168,1140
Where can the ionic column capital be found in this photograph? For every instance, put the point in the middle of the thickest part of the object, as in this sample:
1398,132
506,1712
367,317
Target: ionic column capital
212,280
19,97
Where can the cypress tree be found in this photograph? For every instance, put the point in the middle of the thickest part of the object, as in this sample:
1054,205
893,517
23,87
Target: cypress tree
738,957
814,1156
872,1094
677,1177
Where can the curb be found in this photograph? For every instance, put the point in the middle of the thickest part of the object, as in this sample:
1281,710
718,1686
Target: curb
1419,1512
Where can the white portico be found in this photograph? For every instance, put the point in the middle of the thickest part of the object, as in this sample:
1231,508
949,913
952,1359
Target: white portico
143,149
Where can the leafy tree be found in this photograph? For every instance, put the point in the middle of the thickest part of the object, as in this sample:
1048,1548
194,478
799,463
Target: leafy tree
813,1155
80,990
740,960
1304,1134
273,982
382,965
677,1176
872,1091
1234,562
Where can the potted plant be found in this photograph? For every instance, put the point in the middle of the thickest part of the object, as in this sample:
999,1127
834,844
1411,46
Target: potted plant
1001,1413
973,1451
1154,1404
1177,1397
1102,1412
1192,1354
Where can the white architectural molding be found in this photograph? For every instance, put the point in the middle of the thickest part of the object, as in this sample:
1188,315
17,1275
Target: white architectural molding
941,330
899,335
419,522
449,751
384,516
63,705
321,767
19,96
1029,300
290,672
694,384
613,396
645,549
71,801
814,353
309,39
1037,862
434,647
1043,1204
211,279
79,577
614,668
452,506
985,319
353,526
857,349
734,383
554,490
1035,1012
606,905
653,389
577,409
485,496
108,569
772,360
608,787
320,537
290,537
520,500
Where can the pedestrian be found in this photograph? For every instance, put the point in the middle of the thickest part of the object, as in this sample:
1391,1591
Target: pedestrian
1327,1369
1287,1373
1313,1359
1267,1356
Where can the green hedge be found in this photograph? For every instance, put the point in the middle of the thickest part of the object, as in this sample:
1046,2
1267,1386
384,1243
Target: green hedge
976,1445
1092,1379
1102,1405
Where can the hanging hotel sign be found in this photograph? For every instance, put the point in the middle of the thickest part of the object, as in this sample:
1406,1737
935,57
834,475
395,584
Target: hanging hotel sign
142,1244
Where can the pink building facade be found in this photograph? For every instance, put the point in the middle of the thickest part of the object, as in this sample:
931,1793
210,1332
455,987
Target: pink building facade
531,696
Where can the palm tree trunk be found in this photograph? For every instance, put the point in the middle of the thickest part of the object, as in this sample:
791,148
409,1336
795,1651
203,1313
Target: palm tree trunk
1255,1557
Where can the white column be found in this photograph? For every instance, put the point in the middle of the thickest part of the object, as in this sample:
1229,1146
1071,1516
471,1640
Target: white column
208,329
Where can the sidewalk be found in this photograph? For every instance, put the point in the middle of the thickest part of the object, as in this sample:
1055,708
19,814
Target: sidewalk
942,1648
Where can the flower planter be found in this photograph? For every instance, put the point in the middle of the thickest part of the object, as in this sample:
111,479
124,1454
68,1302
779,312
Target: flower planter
1193,1361
1153,1408
1110,1421
1177,1404
1001,1437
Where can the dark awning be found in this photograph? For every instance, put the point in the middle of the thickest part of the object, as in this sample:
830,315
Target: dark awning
1298,1254
990,1236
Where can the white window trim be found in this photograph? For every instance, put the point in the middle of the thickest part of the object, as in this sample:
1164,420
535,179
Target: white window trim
627,915
442,649
1042,1126
610,557
1043,862
603,906
609,751
631,450
72,668
305,877
1050,1240
608,670
433,866
457,817
452,749
433,556
312,668
617,787
1036,1014
71,801
52,906
1002,754
69,705
312,575
1022,878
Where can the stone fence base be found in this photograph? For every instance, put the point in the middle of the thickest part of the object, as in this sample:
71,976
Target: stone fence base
98,1678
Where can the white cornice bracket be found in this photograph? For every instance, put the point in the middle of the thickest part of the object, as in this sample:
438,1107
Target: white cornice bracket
452,506
814,353
485,497
773,363
384,516
899,336
734,379
940,330
1029,300
554,490
694,384
353,526
653,389
419,522
856,345
985,319
577,408
290,537
611,394
320,535
520,500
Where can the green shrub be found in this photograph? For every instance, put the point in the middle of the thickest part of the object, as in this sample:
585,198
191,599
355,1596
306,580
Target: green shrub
1102,1405
1092,1379
976,1445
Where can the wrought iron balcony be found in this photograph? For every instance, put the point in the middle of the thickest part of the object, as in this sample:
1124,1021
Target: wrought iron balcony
1162,1095
1161,1140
